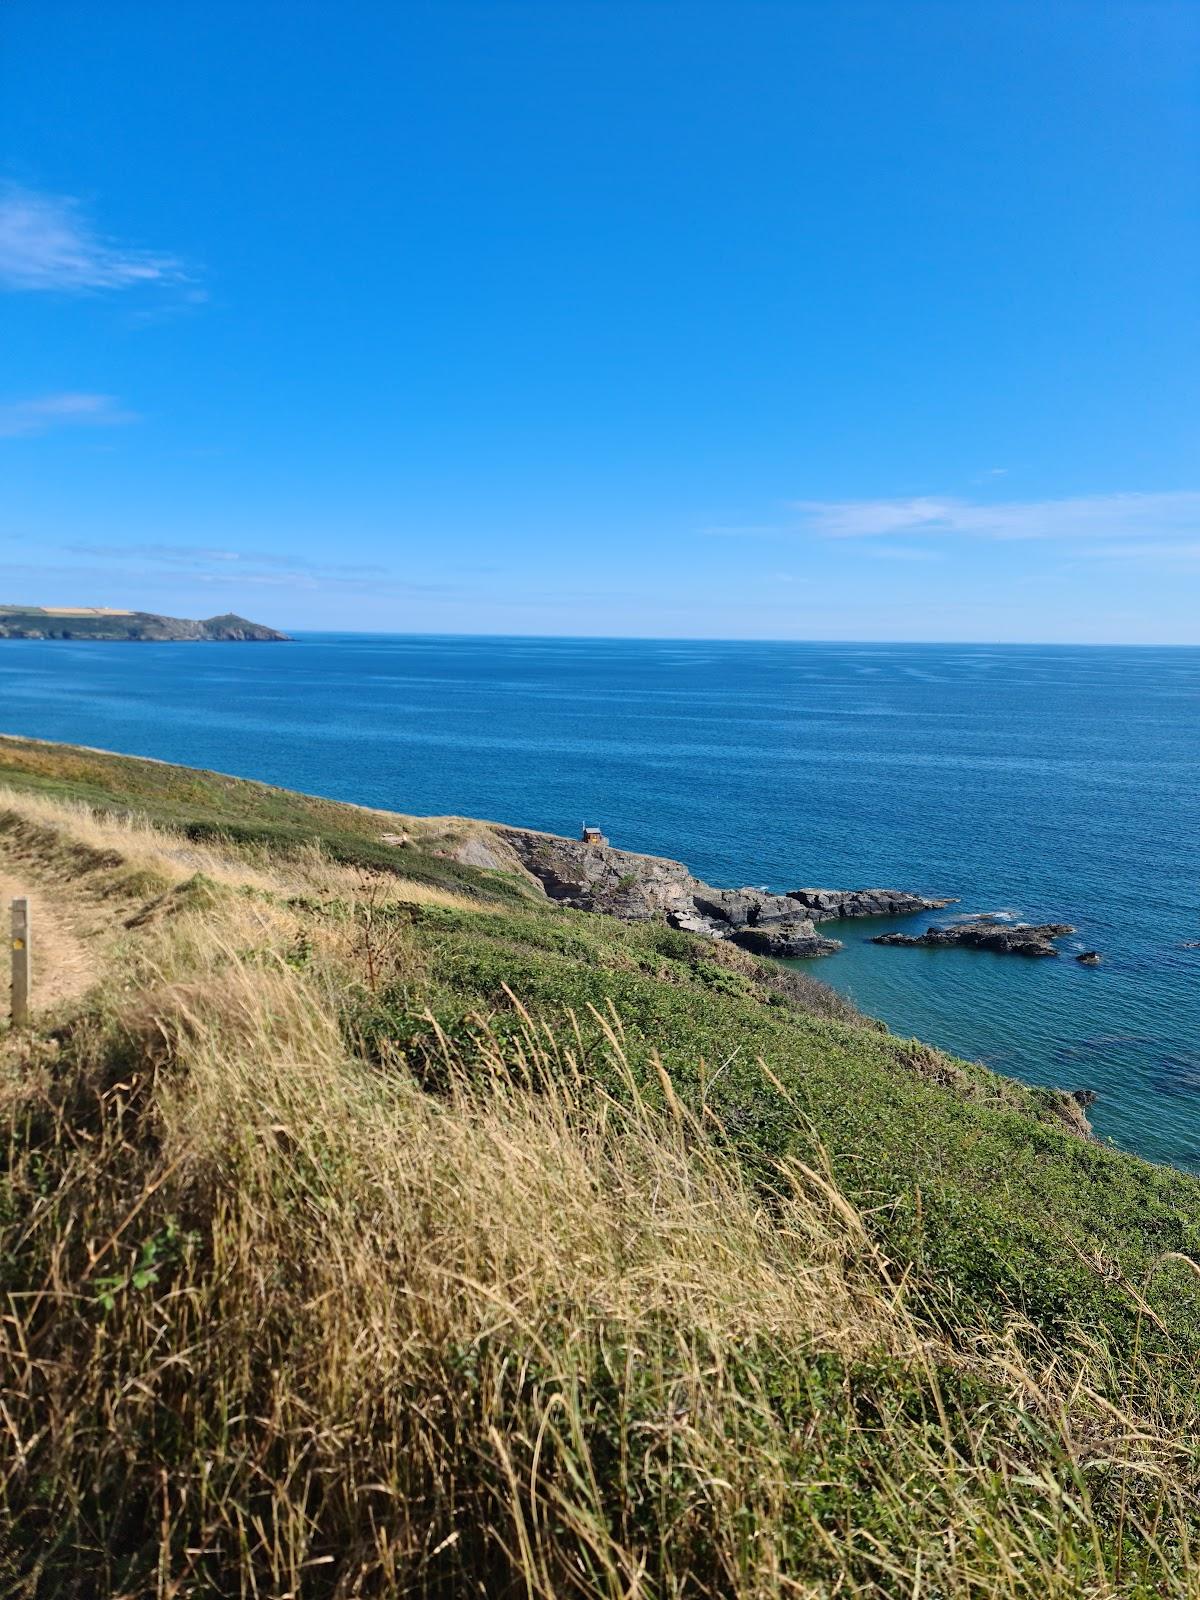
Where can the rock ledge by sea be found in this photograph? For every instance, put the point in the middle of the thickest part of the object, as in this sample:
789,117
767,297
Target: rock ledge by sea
988,933
593,876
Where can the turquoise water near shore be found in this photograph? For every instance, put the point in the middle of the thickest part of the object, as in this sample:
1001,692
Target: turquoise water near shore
1047,783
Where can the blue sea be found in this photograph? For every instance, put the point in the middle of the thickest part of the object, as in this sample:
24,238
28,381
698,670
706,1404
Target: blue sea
1040,783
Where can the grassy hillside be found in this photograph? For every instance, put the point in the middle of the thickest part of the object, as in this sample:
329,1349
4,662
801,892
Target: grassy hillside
370,1224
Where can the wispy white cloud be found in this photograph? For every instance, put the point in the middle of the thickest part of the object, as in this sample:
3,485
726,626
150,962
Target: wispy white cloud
214,565
21,418
47,243
200,556
1111,516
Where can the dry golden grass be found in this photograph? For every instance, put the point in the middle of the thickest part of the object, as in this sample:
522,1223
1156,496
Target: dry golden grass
80,611
49,839
277,1321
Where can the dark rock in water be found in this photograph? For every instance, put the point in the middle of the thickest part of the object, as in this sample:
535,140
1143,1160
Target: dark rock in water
984,933
827,905
1085,1097
1089,958
786,941
592,876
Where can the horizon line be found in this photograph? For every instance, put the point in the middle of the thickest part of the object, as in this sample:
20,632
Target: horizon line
653,638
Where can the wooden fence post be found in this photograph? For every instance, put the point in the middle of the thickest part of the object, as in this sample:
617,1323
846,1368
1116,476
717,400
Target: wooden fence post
21,966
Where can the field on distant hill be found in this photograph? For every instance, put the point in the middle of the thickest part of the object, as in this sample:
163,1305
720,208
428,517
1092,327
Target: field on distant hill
372,1224
71,611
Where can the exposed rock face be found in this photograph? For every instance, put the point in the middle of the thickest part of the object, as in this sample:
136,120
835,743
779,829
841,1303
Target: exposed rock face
746,908
475,852
826,905
637,888
598,878
1072,1111
785,940
985,933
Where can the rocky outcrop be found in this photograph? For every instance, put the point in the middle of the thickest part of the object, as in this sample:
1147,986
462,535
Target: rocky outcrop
230,627
474,851
1071,1110
635,888
638,888
1089,958
746,908
986,933
827,905
786,941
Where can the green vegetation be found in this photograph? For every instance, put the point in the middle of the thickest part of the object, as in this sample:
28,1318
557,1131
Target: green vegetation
372,1225
213,806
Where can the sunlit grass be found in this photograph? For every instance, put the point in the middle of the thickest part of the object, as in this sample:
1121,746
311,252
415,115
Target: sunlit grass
367,1237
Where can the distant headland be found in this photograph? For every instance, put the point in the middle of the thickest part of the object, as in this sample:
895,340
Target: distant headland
101,622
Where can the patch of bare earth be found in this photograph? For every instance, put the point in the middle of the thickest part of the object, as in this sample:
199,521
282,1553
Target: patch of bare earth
67,933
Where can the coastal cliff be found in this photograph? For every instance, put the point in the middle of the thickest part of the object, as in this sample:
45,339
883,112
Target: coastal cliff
101,623
353,1131
593,876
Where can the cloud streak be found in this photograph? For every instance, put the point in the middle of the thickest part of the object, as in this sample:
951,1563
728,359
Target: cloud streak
46,243
145,582
1090,517
24,418
213,566
198,557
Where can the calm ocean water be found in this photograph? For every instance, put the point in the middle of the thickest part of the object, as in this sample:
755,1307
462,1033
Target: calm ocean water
1049,783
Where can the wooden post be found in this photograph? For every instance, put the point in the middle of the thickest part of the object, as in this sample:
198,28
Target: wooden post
21,969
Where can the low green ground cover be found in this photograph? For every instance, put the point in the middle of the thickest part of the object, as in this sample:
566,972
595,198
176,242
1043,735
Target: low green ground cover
360,1240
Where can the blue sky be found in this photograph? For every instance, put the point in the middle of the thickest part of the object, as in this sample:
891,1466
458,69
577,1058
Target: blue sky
804,320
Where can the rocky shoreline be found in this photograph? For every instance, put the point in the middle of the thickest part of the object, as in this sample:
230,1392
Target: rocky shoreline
589,874
593,876
988,933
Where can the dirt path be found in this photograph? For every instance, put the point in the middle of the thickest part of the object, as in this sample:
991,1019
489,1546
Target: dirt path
66,936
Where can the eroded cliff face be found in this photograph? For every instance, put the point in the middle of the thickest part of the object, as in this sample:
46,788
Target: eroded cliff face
639,888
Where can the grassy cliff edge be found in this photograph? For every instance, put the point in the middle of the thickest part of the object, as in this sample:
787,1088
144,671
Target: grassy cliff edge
372,1224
